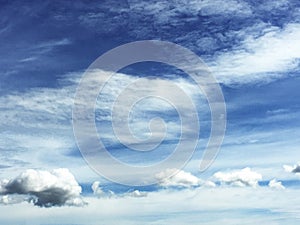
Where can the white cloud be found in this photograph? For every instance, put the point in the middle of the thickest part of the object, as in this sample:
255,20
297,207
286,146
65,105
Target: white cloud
288,168
264,57
39,49
137,194
209,184
43,188
13,199
5,199
241,178
39,108
276,184
51,108
271,5
96,188
37,123
177,178
98,192
164,11
236,7
3,183
28,59
54,43
292,169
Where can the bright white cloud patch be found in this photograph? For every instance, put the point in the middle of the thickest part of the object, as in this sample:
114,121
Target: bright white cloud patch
241,178
276,184
43,188
177,178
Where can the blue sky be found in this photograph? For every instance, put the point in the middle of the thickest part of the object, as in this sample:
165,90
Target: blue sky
252,48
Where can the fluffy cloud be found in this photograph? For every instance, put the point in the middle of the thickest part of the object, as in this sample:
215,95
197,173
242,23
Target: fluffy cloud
241,178
96,188
137,194
97,191
276,184
292,169
43,188
177,178
209,184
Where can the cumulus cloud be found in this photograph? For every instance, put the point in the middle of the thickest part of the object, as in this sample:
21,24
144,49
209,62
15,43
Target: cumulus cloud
276,184
292,169
137,194
97,191
241,178
209,184
96,188
177,178
43,188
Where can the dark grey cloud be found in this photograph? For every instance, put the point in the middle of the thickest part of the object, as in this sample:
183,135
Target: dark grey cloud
296,169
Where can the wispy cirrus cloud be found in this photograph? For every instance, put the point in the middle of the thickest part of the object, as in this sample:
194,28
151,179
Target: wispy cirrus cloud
41,50
173,10
45,115
261,58
38,121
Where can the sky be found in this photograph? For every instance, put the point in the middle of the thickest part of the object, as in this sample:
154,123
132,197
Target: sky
252,50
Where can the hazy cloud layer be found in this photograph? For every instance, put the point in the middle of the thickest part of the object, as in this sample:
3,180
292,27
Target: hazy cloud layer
187,206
